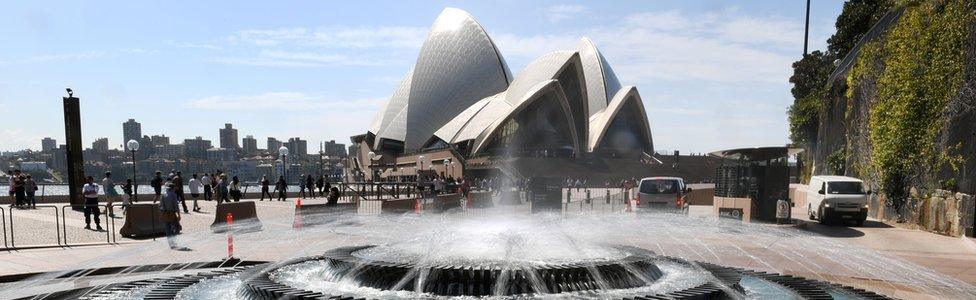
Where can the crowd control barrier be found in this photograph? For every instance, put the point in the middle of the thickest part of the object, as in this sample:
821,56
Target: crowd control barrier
143,220
245,217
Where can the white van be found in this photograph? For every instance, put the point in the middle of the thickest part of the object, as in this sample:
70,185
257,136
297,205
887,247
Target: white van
839,198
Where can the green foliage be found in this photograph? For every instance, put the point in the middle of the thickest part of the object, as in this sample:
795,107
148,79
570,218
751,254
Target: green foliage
837,161
854,21
809,78
923,65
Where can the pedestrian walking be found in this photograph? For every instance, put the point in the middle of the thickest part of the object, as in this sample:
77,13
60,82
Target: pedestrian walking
214,183
281,186
195,186
222,186
30,187
310,184
264,188
207,187
320,184
178,188
90,192
111,194
157,185
169,206
235,189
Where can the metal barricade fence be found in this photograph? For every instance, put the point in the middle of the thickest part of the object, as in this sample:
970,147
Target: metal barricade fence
57,223
3,216
109,222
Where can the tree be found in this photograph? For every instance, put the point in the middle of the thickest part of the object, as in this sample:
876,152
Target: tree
854,21
809,80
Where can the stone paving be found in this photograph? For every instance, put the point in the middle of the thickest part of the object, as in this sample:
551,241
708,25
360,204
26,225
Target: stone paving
955,257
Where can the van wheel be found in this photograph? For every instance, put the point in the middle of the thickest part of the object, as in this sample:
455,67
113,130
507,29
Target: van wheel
860,223
821,217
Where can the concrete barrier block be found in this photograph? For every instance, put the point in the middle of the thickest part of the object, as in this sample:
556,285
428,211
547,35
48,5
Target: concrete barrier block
245,217
318,214
143,219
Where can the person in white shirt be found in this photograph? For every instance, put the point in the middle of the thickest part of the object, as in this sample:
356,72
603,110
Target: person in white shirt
207,187
90,191
195,186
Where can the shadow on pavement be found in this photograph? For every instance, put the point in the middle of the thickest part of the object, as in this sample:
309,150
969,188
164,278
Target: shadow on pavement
835,230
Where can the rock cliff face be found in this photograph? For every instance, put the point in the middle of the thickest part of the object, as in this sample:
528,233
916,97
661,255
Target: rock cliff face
903,102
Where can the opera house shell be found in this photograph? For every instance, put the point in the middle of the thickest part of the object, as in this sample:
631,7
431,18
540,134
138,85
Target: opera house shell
461,95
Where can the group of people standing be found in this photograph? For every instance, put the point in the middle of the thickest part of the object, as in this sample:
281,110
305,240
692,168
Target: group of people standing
213,186
21,189
310,184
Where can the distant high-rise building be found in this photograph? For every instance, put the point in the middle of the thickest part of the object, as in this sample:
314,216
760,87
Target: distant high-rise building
228,137
131,130
168,151
221,154
273,145
297,147
159,140
250,145
100,145
196,148
48,144
331,148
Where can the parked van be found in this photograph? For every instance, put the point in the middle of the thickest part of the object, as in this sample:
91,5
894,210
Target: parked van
662,192
837,198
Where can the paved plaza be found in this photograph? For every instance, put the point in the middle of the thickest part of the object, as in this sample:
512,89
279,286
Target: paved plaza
777,250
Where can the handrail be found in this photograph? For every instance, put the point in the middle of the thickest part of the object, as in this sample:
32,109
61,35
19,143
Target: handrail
57,223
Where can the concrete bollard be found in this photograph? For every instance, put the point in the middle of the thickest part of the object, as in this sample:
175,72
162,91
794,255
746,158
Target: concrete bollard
244,213
143,219
230,236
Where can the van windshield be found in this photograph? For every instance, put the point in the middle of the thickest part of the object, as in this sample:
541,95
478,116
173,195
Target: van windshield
842,187
659,186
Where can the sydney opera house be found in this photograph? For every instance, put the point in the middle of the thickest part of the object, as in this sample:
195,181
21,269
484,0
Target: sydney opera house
460,109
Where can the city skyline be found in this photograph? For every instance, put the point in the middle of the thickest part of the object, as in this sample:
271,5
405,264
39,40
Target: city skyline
712,70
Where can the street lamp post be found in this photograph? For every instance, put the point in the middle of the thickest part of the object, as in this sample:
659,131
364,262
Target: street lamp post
133,146
283,151
447,161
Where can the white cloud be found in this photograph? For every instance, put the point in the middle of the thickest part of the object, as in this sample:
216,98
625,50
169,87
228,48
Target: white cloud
281,101
562,12
672,45
17,139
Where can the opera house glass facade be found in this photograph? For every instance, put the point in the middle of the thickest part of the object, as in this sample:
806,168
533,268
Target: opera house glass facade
461,95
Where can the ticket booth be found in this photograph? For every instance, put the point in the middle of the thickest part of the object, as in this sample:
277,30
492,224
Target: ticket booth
750,181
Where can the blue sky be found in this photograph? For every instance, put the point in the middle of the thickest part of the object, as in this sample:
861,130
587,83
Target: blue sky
713,74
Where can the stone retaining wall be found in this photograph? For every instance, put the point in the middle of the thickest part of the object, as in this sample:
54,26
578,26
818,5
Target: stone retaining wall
941,212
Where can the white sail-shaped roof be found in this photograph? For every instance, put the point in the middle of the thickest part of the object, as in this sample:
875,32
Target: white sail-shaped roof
457,66
601,81
626,98
392,119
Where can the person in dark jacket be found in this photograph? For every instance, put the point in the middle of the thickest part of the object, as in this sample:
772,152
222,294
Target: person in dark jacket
281,186
265,188
310,183
157,185
320,184
333,197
